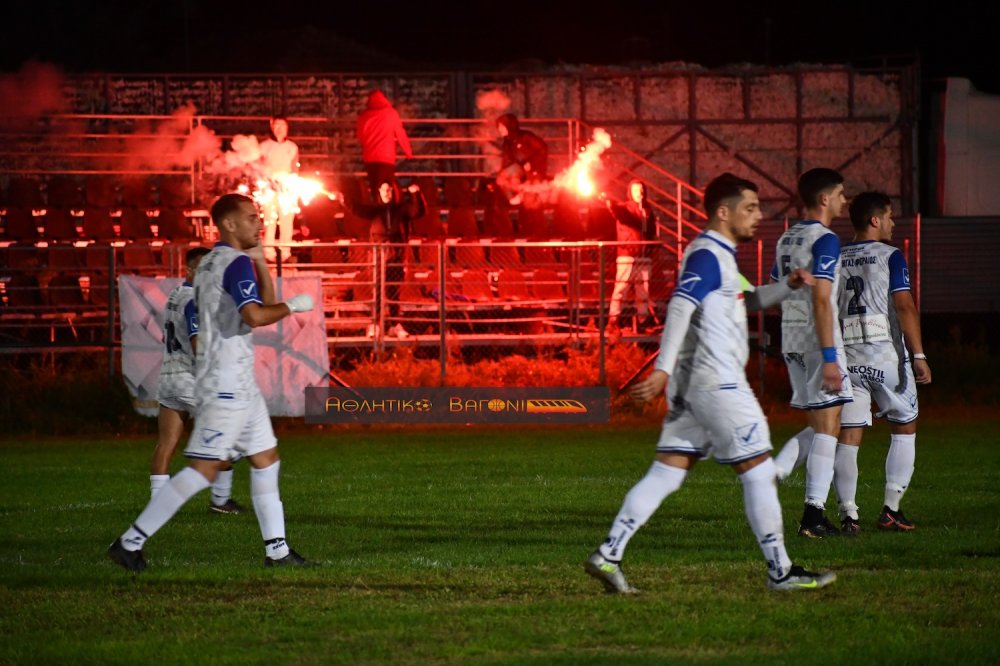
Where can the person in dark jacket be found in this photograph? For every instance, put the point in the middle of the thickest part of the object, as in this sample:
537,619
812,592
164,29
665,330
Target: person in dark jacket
391,216
635,221
379,130
524,157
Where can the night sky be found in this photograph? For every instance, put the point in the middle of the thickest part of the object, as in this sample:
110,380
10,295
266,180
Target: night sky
294,36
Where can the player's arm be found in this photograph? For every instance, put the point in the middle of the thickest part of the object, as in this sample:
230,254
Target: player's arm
240,282
295,159
264,283
826,257
769,295
700,277
909,318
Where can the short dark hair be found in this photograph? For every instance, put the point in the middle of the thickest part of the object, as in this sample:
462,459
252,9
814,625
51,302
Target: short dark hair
867,205
815,182
277,116
723,188
195,254
226,205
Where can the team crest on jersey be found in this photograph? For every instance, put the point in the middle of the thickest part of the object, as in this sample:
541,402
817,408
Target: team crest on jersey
194,323
248,288
906,276
826,262
688,281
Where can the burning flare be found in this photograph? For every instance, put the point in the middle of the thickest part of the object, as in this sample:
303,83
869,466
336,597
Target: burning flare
579,175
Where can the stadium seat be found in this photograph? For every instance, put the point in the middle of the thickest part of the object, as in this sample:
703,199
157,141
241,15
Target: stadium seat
100,289
475,285
135,225
567,223
458,192
173,225
174,192
101,192
470,255
64,257
356,227
21,256
64,192
545,256
511,286
462,223
546,285
505,256
22,291
359,255
61,225
20,225
97,256
137,192
428,226
139,257
98,225
64,291
429,187
497,222
25,193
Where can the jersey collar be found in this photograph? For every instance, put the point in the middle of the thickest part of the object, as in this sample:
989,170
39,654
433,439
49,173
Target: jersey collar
713,235
221,244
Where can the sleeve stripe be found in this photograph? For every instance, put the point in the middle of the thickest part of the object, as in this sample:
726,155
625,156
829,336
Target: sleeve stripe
686,297
249,300
897,289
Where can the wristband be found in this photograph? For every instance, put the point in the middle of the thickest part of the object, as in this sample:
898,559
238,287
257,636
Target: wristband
919,357
829,354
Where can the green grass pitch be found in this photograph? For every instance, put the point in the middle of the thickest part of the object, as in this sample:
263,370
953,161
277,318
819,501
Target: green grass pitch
466,545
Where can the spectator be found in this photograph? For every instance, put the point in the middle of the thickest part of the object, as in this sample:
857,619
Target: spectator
279,157
379,129
524,157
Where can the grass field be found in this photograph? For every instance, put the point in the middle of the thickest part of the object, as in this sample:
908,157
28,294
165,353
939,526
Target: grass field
465,545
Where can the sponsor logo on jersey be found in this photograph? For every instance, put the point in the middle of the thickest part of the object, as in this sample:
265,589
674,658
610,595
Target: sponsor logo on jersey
868,372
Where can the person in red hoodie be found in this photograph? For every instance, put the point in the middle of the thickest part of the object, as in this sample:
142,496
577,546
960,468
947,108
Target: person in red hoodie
379,129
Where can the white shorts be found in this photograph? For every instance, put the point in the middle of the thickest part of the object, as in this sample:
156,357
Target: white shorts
805,373
891,386
180,403
726,424
229,430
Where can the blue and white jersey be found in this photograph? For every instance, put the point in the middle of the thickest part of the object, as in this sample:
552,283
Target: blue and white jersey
811,246
871,272
180,324
224,284
714,352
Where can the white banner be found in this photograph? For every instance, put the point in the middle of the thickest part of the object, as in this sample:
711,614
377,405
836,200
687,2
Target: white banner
290,355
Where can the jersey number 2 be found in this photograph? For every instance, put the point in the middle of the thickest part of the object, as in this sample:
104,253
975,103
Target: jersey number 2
857,285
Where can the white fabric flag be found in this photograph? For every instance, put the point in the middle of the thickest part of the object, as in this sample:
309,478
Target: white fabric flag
290,355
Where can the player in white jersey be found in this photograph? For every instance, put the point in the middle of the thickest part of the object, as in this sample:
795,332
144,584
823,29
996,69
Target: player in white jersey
712,410
279,157
234,294
811,343
881,330
175,391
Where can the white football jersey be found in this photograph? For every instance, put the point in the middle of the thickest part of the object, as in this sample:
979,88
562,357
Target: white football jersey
871,272
715,350
224,284
811,246
179,326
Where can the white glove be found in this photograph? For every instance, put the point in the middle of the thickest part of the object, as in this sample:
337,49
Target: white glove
300,303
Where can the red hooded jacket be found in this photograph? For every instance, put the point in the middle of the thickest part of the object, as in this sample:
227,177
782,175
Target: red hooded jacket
379,128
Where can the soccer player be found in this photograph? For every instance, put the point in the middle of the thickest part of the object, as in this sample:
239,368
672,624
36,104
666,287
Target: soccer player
881,329
713,411
176,387
811,343
233,294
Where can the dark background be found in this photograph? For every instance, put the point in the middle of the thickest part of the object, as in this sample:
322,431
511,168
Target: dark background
950,39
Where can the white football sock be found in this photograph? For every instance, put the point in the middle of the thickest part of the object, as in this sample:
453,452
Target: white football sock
819,469
845,479
171,497
640,503
794,453
222,487
157,481
899,468
760,501
270,512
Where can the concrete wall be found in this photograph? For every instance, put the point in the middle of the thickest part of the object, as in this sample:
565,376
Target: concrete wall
970,177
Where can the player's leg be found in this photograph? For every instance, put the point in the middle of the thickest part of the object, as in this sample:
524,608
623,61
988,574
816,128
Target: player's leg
899,465
222,492
794,453
127,549
854,418
663,478
260,447
170,426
